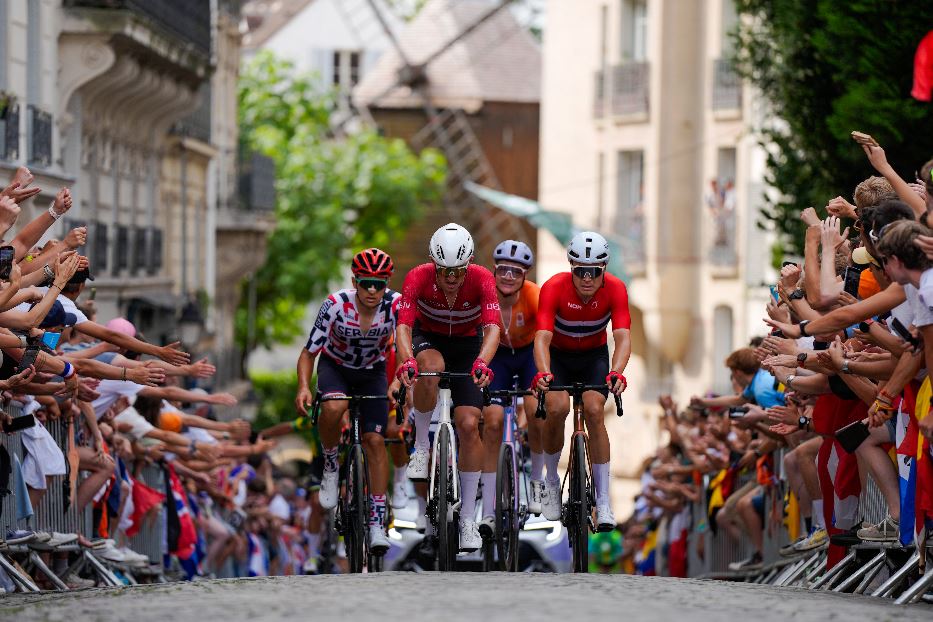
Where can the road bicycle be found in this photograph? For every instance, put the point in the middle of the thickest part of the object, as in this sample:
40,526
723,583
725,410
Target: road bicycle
577,512
351,519
510,513
443,502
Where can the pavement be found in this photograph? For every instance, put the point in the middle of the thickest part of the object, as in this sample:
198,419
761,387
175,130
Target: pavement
454,596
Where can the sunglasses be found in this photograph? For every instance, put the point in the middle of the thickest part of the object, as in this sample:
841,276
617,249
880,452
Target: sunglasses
510,272
447,273
588,272
858,225
376,284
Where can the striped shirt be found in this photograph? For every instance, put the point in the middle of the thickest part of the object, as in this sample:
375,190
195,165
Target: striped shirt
579,326
337,330
476,304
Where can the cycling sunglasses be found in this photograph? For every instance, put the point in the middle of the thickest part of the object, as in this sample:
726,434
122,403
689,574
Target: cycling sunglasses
376,284
510,272
457,273
588,272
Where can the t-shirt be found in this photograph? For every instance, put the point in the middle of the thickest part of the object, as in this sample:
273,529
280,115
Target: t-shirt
423,301
110,391
579,326
763,391
922,313
519,329
337,331
139,427
926,288
67,304
279,507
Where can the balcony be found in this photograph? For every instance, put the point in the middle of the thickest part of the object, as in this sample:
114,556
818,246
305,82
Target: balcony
9,129
722,252
197,125
188,20
727,86
257,183
599,94
40,137
630,89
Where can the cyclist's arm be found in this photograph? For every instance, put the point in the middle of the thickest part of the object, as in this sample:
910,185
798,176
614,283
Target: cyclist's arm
403,347
623,349
490,341
305,369
490,316
543,350
621,328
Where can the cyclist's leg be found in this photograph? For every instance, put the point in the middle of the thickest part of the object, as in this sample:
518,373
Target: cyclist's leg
492,427
557,406
331,379
525,369
424,395
374,416
595,364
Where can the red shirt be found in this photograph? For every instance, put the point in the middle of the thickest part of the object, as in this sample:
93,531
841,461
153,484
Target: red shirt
578,326
476,304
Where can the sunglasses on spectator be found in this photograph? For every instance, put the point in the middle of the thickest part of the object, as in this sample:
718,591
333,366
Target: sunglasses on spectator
588,272
510,272
858,225
447,273
376,284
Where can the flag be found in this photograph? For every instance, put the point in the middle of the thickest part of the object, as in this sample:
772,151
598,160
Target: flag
182,536
145,500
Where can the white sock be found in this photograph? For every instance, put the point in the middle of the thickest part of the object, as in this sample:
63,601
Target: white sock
551,460
601,482
422,428
818,519
469,484
489,494
314,544
537,466
400,475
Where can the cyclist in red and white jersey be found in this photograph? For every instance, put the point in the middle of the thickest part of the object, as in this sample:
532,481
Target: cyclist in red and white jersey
449,320
351,334
574,310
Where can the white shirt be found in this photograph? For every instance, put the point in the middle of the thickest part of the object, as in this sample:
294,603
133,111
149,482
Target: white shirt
926,288
922,313
111,390
67,304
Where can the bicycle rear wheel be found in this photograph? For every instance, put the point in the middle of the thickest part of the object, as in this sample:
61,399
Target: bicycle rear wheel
355,516
579,506
445,539
506,504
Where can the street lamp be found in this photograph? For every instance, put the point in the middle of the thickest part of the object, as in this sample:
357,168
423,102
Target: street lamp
190,324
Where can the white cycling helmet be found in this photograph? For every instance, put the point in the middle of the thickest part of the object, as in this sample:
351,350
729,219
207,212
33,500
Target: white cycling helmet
588,248
515,251
451,246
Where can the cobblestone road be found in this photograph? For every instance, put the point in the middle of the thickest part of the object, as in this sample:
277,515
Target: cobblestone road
456,596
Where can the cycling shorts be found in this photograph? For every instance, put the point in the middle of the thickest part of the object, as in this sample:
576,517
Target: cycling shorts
333,378
459,353
586,366
508,363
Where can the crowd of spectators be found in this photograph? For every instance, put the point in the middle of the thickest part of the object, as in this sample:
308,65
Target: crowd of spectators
837,392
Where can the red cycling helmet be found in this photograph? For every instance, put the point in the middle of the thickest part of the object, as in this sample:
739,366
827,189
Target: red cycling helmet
372,263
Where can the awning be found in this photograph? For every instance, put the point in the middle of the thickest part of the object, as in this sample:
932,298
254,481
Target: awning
559,224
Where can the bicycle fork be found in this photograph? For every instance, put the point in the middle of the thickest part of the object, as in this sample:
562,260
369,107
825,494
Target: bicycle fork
444,402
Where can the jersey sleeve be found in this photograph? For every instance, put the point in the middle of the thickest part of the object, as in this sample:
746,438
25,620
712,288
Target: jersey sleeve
620,313
489,300
322,324
408,303
547,306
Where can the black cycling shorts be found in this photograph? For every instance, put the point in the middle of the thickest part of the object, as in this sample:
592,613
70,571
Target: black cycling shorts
508,363
334,378
586,366
459,354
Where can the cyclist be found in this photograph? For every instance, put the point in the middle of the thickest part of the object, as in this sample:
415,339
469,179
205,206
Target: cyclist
351,332
518,304
570,346
449,319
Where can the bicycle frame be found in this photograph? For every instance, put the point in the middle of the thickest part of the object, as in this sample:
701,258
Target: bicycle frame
510,437
445,420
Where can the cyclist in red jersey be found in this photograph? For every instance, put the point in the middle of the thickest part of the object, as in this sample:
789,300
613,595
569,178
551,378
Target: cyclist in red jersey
449,319
570,346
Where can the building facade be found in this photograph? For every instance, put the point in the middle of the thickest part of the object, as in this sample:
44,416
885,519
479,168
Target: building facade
645,134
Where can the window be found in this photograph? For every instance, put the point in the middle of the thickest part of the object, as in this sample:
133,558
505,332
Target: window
603,36
4,37
721,203
634,30
630,213
722,348
345,73
34,52
730,19
600,189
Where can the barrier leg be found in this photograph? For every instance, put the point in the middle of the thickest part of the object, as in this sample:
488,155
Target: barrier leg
816,569
860,573
39,565
869,577
826,581
102,572
24,581
888,587
916,591
797,570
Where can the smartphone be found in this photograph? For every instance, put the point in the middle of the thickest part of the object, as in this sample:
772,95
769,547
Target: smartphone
864,327
737,412
50,339
901,330
29,359
20,423
774,293
778,333
6,261
788,263
851,280
864,139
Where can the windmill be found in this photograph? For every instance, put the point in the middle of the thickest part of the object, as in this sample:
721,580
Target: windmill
447,125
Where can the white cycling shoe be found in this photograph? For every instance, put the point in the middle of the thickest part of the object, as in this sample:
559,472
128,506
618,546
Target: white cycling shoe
418,465
550,501
378,542
605,519
470,540
537,494
399,495
329,489
487,527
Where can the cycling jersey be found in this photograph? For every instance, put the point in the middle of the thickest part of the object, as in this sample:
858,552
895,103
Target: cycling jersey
578,326
337,330
476,304
518,330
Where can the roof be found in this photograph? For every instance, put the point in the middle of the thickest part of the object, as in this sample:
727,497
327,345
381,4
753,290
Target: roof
266,17
499,61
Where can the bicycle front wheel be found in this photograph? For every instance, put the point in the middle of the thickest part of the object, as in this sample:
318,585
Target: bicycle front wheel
446,539
356,514
579,506
506,506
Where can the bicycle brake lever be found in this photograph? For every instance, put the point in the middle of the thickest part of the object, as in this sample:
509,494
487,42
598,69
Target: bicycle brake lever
618,399
540,412
487,398
399,404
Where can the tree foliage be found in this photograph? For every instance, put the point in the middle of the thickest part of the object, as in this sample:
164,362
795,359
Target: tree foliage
333,197
827,68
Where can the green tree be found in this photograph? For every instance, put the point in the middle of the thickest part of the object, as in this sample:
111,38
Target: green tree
334,196
827,68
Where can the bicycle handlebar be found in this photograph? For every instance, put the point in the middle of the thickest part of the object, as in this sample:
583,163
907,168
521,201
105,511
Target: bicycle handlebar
402,392
318,399
575,389
488,395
